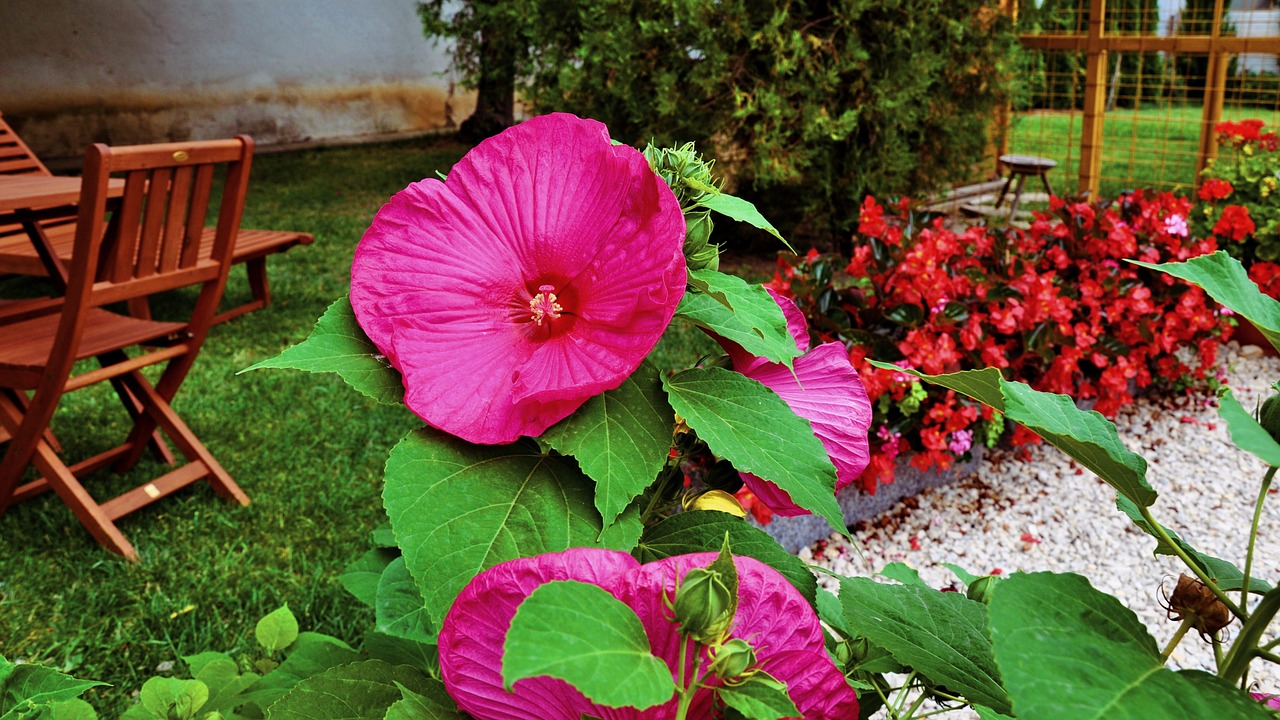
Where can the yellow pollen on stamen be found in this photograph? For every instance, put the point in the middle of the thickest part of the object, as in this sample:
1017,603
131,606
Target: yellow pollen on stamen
544,305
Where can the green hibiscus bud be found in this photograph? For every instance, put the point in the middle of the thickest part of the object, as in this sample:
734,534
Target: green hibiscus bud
705,605
684,170
733,659
1269,416
699,252
981,589
851,652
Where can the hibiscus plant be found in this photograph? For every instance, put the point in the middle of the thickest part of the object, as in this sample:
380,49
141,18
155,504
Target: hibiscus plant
545,557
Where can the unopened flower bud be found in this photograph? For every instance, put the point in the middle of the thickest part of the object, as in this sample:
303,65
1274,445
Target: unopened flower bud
851,652
699,252
981,589
733,659
704,605
718,500
1194,600
1269,416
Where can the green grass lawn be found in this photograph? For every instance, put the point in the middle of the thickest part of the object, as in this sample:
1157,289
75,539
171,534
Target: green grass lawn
1151,147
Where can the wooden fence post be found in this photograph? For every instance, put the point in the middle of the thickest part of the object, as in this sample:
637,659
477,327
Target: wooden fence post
1095,99
1215,91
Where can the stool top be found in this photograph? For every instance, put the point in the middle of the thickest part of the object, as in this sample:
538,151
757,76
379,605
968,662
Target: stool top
1028,163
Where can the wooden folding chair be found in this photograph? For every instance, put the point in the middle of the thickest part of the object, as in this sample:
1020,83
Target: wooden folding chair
150,245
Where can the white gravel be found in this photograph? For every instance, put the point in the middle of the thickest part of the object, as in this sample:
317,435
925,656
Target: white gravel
1047,513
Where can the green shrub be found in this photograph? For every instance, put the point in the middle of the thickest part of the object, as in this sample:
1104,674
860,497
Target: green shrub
808,105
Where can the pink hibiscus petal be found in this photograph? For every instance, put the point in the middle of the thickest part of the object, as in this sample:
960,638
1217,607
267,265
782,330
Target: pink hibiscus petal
772,616
826,391
473,631
538,275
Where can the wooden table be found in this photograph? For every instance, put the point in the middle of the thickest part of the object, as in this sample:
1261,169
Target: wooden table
26,200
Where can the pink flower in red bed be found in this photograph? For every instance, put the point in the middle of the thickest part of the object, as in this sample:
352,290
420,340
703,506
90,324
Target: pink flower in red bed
538,275
772,616
825,390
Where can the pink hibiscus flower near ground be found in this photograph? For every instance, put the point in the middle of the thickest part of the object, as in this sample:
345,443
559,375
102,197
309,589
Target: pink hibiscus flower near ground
825,390
772,616
539,274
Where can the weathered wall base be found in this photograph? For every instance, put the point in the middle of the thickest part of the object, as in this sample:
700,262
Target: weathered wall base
61,126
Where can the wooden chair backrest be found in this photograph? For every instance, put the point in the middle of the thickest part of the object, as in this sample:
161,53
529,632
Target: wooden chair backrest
15,157
152,242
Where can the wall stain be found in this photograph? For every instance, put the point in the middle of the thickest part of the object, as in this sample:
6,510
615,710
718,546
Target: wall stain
61,124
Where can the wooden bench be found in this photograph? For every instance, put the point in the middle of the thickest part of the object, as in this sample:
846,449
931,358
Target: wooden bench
18,256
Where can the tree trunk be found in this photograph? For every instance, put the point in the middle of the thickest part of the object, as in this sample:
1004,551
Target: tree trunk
495,99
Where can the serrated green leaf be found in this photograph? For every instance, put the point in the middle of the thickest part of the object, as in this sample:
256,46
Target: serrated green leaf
174,698
747,424
581,634
74,709
1246,433
434,704
1226,281
400,610
459,508
399,651
221,675
740,210
831,612
277,630
965,576
620,439
361,577
704,530
755,321
1086,436
760,697
338,345
697,284
1228,576
26,687
986,713
384,537
904,574
359,691
941,635
311,654
1068,651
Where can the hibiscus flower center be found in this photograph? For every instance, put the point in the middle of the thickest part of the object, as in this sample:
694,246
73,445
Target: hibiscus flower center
543,306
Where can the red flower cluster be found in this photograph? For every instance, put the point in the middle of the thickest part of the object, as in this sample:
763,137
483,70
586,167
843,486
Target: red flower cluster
1234,223
1246,131
1215,189
1267,276
1055,306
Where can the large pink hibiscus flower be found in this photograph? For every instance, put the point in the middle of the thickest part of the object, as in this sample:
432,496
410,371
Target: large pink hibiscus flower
772,616
538,275
825,390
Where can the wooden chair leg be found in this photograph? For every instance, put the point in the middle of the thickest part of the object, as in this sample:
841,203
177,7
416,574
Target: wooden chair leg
182,436
1004,190
1017,196
1044,177
20,399
155,442
258,286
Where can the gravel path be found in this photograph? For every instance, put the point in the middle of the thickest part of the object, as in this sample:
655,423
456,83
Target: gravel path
1049,514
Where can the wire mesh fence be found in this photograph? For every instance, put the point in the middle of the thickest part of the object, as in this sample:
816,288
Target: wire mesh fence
1126,93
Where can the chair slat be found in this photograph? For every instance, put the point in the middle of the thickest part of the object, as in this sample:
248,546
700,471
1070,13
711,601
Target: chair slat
153,222
199,208
124,236
177,221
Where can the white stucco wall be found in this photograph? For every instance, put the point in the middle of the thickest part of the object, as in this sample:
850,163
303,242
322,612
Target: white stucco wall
79,71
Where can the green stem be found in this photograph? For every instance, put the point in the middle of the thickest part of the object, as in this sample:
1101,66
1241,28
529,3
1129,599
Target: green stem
658,493
1177,638
686,692
906,685
1268,656
1242,650
1168,542
1271,645
1253,538
884,699
911,712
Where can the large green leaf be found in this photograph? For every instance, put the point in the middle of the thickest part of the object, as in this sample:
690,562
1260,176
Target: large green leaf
359,691
432,705
1067,651
399,609
1226,281
1246,433
338,345
942,635
755,321
1227,575
26,687
581,634
277,630
620,439
704,531
459,508
740,210
361,577
747,424
1086,436
165,698
399,651
311,654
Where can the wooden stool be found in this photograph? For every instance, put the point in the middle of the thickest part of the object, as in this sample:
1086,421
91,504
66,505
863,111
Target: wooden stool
1021,167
